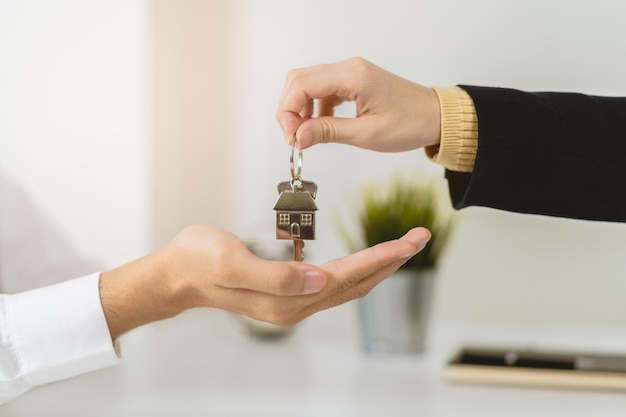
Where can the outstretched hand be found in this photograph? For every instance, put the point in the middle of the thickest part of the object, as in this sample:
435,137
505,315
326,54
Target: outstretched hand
210,267
281,292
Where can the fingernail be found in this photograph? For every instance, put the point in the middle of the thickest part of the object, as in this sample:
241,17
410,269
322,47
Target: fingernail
305,139
314,282
415,252
408,255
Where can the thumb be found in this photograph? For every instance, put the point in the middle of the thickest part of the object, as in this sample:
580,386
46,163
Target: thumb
286,278
328,129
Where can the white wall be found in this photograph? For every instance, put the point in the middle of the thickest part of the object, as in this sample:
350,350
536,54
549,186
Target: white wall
79,79
73,121
191,115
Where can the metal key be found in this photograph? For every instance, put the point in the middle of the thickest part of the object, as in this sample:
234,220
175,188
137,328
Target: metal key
298,246
308,186
295,208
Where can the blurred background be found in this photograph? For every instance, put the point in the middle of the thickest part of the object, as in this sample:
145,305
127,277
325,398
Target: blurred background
128,120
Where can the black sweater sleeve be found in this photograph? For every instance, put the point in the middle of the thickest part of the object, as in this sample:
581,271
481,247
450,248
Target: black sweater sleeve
556,154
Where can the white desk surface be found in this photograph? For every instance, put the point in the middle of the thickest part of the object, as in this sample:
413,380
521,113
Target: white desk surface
202,364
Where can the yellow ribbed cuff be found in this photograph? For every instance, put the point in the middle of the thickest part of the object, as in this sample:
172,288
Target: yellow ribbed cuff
459,130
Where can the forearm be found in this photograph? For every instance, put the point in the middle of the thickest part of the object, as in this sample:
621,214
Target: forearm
141,292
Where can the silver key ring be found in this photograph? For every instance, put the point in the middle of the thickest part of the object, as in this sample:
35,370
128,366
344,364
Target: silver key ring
296,174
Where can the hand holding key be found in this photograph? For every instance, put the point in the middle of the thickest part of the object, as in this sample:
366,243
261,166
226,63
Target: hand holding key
392,114
296,207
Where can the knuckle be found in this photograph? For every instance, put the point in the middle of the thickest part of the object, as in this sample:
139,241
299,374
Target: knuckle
281,322
354,293
276,316
329,132
274,311
360,65
362,291
293,76
350,279
358,61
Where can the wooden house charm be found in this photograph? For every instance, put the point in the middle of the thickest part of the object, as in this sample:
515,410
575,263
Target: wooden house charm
295,215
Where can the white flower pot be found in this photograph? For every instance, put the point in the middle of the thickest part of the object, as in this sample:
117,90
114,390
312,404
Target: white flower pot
394,316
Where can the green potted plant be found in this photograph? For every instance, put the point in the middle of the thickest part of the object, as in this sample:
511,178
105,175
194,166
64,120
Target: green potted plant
388,210
394,316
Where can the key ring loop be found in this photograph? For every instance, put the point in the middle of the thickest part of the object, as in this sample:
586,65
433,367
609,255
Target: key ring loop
296,173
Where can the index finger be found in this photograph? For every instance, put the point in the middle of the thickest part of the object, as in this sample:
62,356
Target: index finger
305,84
349,271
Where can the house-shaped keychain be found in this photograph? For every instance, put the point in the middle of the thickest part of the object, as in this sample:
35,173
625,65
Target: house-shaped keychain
295,215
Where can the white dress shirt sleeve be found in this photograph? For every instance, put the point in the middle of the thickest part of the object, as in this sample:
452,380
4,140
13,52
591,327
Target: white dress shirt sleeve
52,333
50,328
